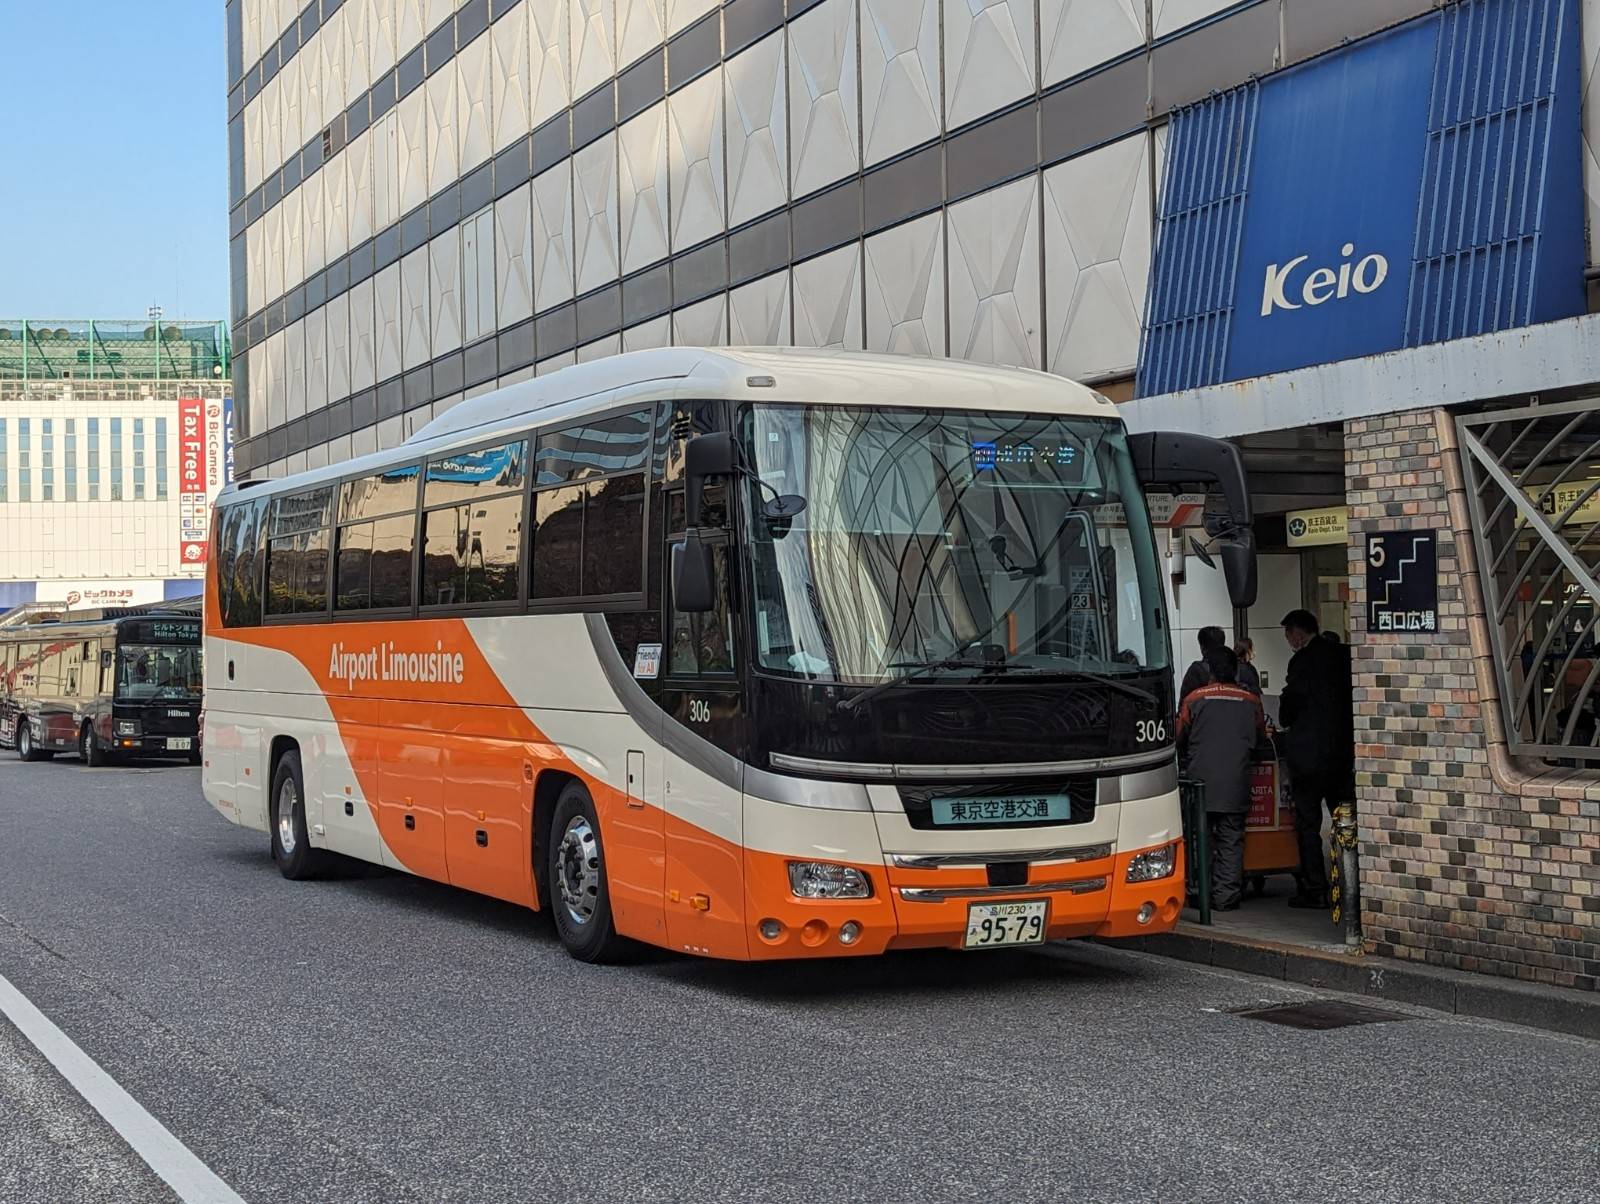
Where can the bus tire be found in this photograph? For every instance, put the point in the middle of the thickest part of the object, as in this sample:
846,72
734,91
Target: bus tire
27,750
291,844
580,899
89,750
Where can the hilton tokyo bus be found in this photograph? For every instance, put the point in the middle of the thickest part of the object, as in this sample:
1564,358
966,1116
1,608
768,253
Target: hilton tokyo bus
122,685
746,653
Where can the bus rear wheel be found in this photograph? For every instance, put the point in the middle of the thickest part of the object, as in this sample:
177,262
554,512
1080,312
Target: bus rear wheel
291,845
27,750
575,868
89,750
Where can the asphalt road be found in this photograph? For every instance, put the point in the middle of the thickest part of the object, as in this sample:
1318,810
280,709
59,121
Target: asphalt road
377,1038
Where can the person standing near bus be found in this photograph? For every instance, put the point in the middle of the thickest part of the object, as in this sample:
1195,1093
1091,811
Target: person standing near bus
1219,725
1318,744
1199,673
1245,650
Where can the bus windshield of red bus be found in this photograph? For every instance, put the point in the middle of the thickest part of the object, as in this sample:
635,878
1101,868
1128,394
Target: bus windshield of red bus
146,671
939,539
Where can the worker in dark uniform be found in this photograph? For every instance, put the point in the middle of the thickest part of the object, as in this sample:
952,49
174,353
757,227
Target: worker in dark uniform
1198,674
1319,743
1218,727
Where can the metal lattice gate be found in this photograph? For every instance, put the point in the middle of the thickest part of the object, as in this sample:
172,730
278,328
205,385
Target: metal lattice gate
1533,487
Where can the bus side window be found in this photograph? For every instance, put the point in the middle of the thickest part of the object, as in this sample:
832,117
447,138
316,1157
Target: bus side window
702,644
239,571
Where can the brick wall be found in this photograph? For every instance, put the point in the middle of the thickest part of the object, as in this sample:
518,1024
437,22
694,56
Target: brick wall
1468,860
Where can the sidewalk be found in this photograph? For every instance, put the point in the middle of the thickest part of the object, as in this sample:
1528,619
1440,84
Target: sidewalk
1268,938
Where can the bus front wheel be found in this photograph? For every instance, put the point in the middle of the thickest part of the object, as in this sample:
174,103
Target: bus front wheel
89,750
291,846
576,871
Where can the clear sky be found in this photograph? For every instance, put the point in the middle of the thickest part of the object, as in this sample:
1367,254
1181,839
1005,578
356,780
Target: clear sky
113,159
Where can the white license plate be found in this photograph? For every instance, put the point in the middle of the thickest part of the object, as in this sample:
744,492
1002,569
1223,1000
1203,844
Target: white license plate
179,744
996,925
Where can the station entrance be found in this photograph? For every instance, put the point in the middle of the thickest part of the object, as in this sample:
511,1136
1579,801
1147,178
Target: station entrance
1299,490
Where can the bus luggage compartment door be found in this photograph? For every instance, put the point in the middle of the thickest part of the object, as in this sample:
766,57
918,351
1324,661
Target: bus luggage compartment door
410,788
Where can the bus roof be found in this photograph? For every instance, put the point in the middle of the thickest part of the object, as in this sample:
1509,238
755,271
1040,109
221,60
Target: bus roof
770,374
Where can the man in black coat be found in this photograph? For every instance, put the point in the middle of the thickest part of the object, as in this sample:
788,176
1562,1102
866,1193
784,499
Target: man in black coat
1315,711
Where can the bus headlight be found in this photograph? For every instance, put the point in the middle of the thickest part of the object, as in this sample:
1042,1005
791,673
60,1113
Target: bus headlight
825,880
1153,865
127,727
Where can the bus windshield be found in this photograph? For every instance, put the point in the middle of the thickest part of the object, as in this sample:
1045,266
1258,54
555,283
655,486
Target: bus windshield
146,671
951,543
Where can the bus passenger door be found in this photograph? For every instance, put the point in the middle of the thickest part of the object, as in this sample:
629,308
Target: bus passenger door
704,811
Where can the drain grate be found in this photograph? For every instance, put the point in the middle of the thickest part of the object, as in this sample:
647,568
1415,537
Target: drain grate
1319,1014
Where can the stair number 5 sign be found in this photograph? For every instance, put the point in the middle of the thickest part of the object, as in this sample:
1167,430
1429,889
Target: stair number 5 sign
1402,581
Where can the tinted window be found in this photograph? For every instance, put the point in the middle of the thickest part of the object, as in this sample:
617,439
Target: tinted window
373,569
558,543
488,470
613,544
48,674
473,552
297,573
375,496
298,512
393,540
589,539
238,568
703,643
618,444
352,571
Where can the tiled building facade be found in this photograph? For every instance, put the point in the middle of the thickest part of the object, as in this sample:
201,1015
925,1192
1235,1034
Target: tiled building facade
1468,858
429,199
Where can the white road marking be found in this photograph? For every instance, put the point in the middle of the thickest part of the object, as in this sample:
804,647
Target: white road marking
191,1179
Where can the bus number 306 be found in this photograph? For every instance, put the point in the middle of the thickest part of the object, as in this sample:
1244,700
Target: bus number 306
1152,731
699,710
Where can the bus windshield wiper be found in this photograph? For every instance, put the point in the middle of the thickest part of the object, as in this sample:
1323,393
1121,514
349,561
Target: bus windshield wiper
1087,675
914,670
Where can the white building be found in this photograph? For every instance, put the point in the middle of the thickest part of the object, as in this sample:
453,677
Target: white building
105,483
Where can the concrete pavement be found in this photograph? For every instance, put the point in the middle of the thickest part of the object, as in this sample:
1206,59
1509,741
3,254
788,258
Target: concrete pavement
379,1038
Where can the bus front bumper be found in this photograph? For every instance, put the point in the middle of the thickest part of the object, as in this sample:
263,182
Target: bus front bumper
930,908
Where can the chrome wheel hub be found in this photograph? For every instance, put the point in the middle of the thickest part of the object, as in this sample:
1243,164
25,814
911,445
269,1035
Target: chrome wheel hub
288,799
578,870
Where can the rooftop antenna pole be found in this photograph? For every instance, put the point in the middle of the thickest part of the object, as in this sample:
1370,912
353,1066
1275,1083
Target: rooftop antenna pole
155,320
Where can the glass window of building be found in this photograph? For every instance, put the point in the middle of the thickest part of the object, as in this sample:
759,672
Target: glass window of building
116,459
47,460
94,459
138,459
24,461
161,459
69,467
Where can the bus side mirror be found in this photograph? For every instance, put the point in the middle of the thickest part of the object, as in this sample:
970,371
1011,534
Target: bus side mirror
105,658
1238,554
1179,458
705,456
693,581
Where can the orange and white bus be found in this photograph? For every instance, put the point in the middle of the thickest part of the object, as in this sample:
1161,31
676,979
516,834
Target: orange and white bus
746,653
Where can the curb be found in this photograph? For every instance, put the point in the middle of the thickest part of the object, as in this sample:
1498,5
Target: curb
1458,992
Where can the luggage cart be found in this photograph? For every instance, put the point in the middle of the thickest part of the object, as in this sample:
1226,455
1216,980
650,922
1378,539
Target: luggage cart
1269,840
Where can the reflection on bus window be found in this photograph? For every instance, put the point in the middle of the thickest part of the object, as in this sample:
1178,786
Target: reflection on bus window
934,536
158,671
